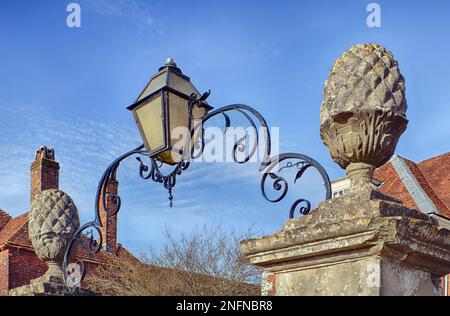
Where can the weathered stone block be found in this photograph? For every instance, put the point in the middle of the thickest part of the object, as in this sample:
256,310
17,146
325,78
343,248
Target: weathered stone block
49,286
354,246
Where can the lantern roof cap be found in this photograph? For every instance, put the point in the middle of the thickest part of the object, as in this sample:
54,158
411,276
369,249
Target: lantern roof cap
169,77
171,63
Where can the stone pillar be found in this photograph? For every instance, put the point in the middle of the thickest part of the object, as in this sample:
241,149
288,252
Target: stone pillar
354,246
363,243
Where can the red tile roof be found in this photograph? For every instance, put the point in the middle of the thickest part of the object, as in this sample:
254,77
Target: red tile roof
393,185
437,171
432,175
429,190
4,219
16,232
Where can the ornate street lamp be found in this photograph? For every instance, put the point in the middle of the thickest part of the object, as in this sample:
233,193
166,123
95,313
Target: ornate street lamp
164,115
170,114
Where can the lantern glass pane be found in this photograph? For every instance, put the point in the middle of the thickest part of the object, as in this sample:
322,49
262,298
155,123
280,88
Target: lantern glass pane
178,120
151,123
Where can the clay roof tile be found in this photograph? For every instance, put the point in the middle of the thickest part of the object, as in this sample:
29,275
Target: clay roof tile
4,219
439,175
16,232
437,172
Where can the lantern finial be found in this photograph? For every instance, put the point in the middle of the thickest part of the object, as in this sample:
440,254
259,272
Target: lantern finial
170,61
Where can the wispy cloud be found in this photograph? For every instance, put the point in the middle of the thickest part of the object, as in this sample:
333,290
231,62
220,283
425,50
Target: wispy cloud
82,147
134,11
265,50
206,193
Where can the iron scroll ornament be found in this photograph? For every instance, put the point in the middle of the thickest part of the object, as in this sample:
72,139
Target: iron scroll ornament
271,167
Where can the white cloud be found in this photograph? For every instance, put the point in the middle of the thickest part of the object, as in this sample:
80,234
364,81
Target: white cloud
265,50
82,147
134,11
205,193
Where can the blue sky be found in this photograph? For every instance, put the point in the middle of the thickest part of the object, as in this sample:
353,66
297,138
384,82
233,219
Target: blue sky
68,88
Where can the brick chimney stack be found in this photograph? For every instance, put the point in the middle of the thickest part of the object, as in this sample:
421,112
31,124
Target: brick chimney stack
44,172
109,221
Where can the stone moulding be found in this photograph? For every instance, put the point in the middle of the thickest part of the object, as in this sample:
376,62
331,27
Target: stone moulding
367,136
413,240
49,286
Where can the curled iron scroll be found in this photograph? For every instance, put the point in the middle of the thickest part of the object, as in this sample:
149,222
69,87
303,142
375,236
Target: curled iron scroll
280,184
89,236
268,164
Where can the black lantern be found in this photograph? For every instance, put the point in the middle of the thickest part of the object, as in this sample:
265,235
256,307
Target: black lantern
168,126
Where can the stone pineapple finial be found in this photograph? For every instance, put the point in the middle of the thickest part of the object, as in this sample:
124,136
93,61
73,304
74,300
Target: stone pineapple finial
363,111
53,219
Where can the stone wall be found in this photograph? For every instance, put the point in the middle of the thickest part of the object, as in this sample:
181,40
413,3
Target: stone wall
372,276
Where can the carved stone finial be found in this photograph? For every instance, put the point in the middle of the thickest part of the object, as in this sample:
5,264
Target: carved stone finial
45,152
53,219
363,111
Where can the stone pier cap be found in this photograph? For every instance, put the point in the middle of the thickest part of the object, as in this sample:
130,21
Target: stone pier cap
372,228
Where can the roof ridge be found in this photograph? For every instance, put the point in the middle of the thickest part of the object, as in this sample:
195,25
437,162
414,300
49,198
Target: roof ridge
401,157
436,157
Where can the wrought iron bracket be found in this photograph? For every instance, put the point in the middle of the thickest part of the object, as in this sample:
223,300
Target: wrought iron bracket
270,167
